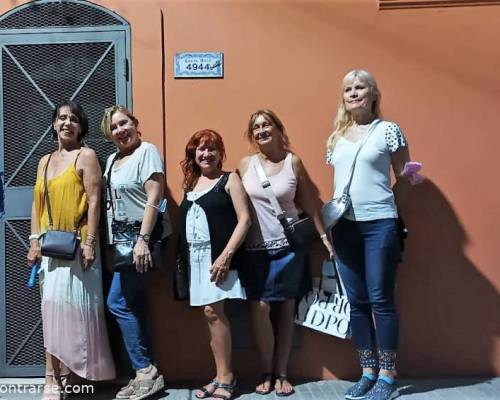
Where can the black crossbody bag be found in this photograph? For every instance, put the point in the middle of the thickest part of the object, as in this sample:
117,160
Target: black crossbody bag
124,234
56,243
301,233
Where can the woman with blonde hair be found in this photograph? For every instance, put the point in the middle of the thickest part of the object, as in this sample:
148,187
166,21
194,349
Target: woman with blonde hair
366,239
275,272
135,185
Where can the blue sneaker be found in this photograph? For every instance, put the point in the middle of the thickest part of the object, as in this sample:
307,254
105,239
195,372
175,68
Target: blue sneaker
382,391
360,389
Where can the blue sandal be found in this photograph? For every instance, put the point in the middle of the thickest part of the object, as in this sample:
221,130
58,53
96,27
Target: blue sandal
207,393
229,387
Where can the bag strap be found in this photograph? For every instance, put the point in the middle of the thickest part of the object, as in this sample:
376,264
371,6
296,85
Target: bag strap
338,280
47,198
108,189
268,190
108,184
340,287
46,192
374,123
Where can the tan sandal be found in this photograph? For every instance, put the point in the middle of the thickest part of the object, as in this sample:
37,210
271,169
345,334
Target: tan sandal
146,387
126,392
54,391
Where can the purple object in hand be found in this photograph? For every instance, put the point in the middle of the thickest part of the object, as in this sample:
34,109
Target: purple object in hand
411,167
410,170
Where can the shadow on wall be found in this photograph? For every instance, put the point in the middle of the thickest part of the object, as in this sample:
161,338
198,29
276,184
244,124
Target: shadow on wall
172,321
448,310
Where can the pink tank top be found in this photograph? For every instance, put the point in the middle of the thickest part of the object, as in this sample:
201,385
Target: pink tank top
266,231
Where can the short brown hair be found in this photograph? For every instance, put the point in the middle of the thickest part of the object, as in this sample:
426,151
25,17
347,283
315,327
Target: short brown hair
108,115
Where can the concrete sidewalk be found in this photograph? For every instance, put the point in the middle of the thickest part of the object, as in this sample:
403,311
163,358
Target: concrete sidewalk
422,389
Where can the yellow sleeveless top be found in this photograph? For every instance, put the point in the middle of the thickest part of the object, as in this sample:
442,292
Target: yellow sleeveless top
68,201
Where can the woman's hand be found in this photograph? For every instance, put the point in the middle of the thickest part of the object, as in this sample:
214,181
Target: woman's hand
142,256
220,268
34,254
88,255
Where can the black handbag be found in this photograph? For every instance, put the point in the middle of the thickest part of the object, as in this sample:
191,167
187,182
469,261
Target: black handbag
181,278
55,243
301,233
120,253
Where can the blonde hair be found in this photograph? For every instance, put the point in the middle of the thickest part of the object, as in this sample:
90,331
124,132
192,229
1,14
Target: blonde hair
275,120
108,115
344,119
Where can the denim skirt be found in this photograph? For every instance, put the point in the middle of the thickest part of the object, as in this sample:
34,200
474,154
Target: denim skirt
275,275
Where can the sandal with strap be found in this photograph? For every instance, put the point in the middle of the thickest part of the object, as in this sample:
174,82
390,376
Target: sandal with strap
266,377
281,379
228,387
205,392
126,392
65,380
54,391
146,387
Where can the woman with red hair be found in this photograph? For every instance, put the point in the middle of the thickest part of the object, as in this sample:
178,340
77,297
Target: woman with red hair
215,220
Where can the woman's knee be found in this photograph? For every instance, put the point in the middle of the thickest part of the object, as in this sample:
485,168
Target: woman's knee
261,309
383,307
115,304
213,313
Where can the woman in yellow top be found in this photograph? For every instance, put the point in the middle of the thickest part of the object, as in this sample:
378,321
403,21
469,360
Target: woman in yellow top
74,330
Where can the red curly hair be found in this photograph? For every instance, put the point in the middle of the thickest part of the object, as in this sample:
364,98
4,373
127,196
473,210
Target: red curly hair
189,167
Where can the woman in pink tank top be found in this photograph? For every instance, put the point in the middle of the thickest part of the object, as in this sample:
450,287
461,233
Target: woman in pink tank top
274,272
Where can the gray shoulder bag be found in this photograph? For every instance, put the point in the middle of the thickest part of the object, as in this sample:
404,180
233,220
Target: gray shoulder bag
332,211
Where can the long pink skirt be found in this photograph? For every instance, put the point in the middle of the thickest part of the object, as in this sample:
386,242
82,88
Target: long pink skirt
74,329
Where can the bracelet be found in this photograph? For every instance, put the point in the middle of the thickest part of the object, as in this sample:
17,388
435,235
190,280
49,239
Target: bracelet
323,236
34,236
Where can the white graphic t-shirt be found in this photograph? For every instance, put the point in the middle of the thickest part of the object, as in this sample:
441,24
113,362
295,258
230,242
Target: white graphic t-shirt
127,184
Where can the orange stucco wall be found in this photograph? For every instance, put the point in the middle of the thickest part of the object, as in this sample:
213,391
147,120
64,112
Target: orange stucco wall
438,73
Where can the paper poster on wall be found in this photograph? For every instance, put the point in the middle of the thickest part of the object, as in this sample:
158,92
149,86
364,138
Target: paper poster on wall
2,202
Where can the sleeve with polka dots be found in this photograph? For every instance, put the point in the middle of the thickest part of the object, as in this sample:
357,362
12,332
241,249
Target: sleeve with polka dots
394,137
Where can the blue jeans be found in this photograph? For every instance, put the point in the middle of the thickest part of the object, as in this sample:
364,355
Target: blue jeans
127,301
367,254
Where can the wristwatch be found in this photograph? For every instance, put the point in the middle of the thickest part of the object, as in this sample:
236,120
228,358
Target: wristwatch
145,237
